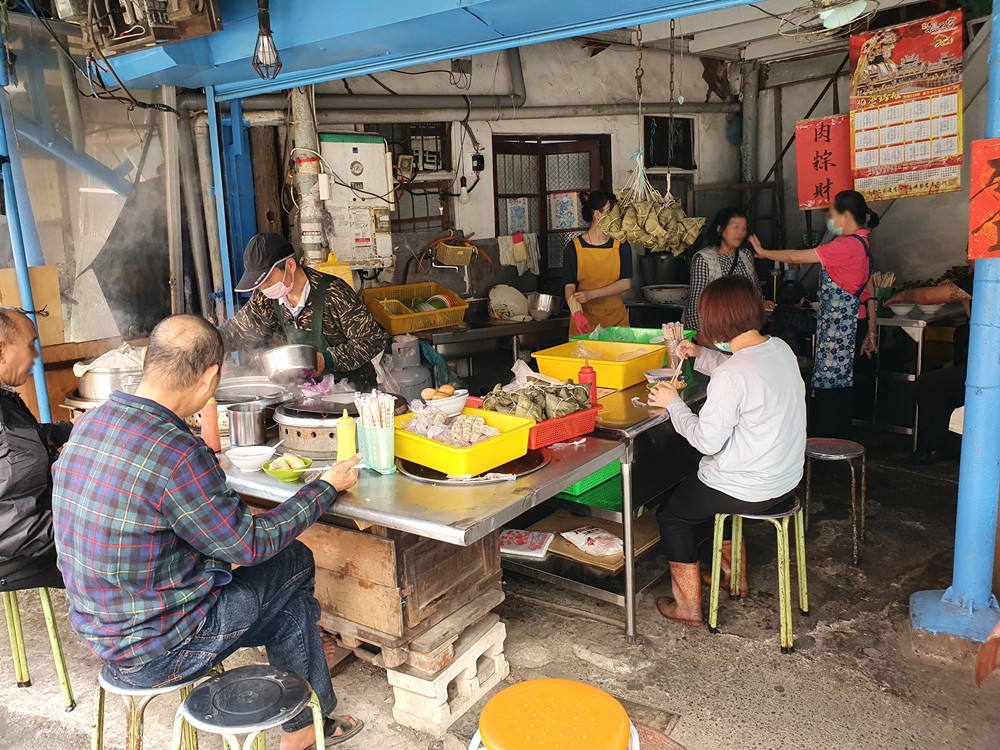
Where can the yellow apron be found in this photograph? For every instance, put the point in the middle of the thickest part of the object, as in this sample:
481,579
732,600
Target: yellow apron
598,267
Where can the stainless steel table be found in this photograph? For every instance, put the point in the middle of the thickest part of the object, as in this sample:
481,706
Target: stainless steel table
655,459
459,342
915,326
457,515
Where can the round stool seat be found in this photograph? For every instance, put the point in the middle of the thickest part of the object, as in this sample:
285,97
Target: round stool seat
832,449
112,684
788,508
246,699
551,714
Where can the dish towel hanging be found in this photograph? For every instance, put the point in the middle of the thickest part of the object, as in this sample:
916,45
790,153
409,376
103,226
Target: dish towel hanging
510,250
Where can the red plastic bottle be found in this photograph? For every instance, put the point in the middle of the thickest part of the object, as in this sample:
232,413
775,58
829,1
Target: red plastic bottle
210,425
588,376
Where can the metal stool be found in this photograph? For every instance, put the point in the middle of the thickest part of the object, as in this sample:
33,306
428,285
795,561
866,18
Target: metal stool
779,517
552,714
829,449
13,617
248,700
136,700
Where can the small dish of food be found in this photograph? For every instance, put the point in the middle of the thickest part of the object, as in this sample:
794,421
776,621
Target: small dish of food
446,399
287,468
251,458
659,375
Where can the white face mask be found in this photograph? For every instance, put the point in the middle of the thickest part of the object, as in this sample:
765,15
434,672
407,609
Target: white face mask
833,228
277,291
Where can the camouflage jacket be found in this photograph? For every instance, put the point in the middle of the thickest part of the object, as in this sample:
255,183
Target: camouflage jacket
352,334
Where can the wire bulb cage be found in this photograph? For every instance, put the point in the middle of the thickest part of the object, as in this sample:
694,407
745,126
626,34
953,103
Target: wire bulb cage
266,60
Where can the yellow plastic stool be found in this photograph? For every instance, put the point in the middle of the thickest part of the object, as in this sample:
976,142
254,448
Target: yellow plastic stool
552,714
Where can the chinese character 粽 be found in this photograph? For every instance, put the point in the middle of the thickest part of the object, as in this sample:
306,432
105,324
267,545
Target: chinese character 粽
823,160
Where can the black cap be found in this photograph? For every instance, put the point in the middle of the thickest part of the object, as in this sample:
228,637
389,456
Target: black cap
263,252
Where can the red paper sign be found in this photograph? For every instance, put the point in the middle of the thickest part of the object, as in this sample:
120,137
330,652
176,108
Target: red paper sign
822,160
906,108
984,200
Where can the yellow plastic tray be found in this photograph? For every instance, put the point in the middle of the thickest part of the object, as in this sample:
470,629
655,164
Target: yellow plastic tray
511,443
557,362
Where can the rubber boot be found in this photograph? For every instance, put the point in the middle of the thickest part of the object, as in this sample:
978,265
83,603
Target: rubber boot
685,607
727,568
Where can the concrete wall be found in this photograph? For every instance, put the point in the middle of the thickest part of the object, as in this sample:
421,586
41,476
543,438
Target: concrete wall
919,238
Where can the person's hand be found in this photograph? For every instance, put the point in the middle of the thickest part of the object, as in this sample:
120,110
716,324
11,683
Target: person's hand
320,363
688,350
769,305
896,299
869,346
582,297
758,248
343,475
661,395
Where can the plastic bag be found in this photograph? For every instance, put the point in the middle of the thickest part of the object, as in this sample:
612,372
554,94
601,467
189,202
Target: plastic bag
594,541
582,351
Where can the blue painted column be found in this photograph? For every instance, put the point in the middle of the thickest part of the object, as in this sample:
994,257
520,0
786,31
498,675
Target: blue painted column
240,191
215,146
12,191
968,608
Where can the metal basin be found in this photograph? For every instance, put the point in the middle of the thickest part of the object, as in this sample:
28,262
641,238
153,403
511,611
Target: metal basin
290,364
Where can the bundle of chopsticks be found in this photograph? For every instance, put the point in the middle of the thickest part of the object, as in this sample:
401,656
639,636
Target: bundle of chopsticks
673,334
376,409
884,279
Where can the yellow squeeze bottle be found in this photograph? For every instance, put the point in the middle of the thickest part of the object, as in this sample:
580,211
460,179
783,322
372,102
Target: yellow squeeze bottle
347,443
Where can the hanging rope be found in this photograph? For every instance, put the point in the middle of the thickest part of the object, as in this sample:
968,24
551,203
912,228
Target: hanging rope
670,109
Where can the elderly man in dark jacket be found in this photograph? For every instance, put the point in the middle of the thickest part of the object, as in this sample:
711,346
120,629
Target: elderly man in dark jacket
27,451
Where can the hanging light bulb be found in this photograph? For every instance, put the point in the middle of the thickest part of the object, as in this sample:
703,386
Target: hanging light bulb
266,60
463,191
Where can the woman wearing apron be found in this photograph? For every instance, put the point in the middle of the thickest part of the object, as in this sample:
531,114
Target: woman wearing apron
597,270
846,322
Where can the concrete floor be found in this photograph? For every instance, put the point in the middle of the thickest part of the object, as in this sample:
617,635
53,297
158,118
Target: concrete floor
853,682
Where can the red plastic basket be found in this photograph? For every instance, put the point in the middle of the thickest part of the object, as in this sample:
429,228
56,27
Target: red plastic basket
553,431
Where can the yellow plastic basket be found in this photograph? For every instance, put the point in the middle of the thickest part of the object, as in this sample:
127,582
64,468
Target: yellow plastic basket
558,362
398,319
511,443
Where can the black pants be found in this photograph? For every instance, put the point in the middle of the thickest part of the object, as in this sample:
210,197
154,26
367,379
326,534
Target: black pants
939,393
687,516
35,574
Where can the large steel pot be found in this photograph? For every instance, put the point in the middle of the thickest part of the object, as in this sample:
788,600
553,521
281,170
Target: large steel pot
98,384
293,363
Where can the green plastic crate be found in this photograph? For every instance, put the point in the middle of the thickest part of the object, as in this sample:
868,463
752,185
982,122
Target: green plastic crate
610,471
626,335
607,495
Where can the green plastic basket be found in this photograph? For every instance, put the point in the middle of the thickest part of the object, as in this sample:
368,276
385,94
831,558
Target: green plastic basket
626,335
607,495
610,471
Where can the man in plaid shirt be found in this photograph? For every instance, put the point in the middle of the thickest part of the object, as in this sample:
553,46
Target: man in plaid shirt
147,529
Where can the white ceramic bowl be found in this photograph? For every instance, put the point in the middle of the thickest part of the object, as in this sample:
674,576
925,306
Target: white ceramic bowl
903,309
453,405
666,294
929,309
659,375
250,459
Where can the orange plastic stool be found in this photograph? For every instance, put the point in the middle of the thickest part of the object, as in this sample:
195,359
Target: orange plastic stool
552,714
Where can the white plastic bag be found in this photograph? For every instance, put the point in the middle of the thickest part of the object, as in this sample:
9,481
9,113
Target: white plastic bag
594,541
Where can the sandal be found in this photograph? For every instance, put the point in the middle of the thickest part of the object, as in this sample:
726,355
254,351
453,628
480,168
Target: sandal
330,726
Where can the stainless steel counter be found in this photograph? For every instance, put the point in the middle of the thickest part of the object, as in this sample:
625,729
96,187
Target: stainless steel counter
478,330
457,515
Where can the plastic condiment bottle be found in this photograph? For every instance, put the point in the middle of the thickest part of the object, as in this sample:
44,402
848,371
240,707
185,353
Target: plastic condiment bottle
588,376
347,444
210,425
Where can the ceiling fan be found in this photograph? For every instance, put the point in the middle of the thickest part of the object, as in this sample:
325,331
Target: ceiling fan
826,19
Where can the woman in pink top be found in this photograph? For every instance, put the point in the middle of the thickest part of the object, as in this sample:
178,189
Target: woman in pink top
846,323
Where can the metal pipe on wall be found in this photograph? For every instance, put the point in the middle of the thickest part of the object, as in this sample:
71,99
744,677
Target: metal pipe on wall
749,95
193,209
72,96
968,608
211,219
306,176
171,171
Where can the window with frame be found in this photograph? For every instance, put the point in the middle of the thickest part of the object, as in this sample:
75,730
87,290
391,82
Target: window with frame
538,181
669,142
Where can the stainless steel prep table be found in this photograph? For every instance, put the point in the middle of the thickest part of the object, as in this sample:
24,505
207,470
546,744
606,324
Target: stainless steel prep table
458,338
457,515
663,459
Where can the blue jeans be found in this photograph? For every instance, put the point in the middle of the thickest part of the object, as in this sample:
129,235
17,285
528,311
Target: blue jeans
270,605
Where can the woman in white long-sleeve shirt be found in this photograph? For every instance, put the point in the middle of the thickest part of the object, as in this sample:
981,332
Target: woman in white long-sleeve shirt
751,430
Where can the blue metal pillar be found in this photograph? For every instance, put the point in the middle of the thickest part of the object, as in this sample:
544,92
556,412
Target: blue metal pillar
968,608
13,192
240,193
215,145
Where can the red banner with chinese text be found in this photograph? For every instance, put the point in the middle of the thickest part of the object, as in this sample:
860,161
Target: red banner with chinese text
822,159
984,200
906,108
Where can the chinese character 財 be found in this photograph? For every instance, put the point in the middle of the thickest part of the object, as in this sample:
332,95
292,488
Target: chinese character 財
822,190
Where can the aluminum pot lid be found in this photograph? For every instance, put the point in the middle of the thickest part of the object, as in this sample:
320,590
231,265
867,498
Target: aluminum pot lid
324,411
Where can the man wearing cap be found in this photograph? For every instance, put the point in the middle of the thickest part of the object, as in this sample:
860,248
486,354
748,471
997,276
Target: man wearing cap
303,306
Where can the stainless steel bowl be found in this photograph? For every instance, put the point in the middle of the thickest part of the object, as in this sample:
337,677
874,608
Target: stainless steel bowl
100,383
294,363
544,303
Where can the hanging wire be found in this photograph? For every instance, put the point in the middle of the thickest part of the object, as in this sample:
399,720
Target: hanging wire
670,106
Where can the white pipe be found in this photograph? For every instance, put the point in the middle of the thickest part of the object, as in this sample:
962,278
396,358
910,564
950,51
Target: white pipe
304,136
208,198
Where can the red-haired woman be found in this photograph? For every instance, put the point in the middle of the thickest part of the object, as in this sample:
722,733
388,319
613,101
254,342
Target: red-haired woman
751,430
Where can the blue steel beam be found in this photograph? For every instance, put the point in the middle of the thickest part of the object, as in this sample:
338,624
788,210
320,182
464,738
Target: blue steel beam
12,188
240,193
215,146
968,608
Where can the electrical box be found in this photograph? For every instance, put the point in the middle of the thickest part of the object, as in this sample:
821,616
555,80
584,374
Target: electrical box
358,195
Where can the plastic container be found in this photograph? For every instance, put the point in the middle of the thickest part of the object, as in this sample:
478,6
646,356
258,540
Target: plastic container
588,376
558,363
347,437
390,306
552,431
607,495
600,476
511,443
